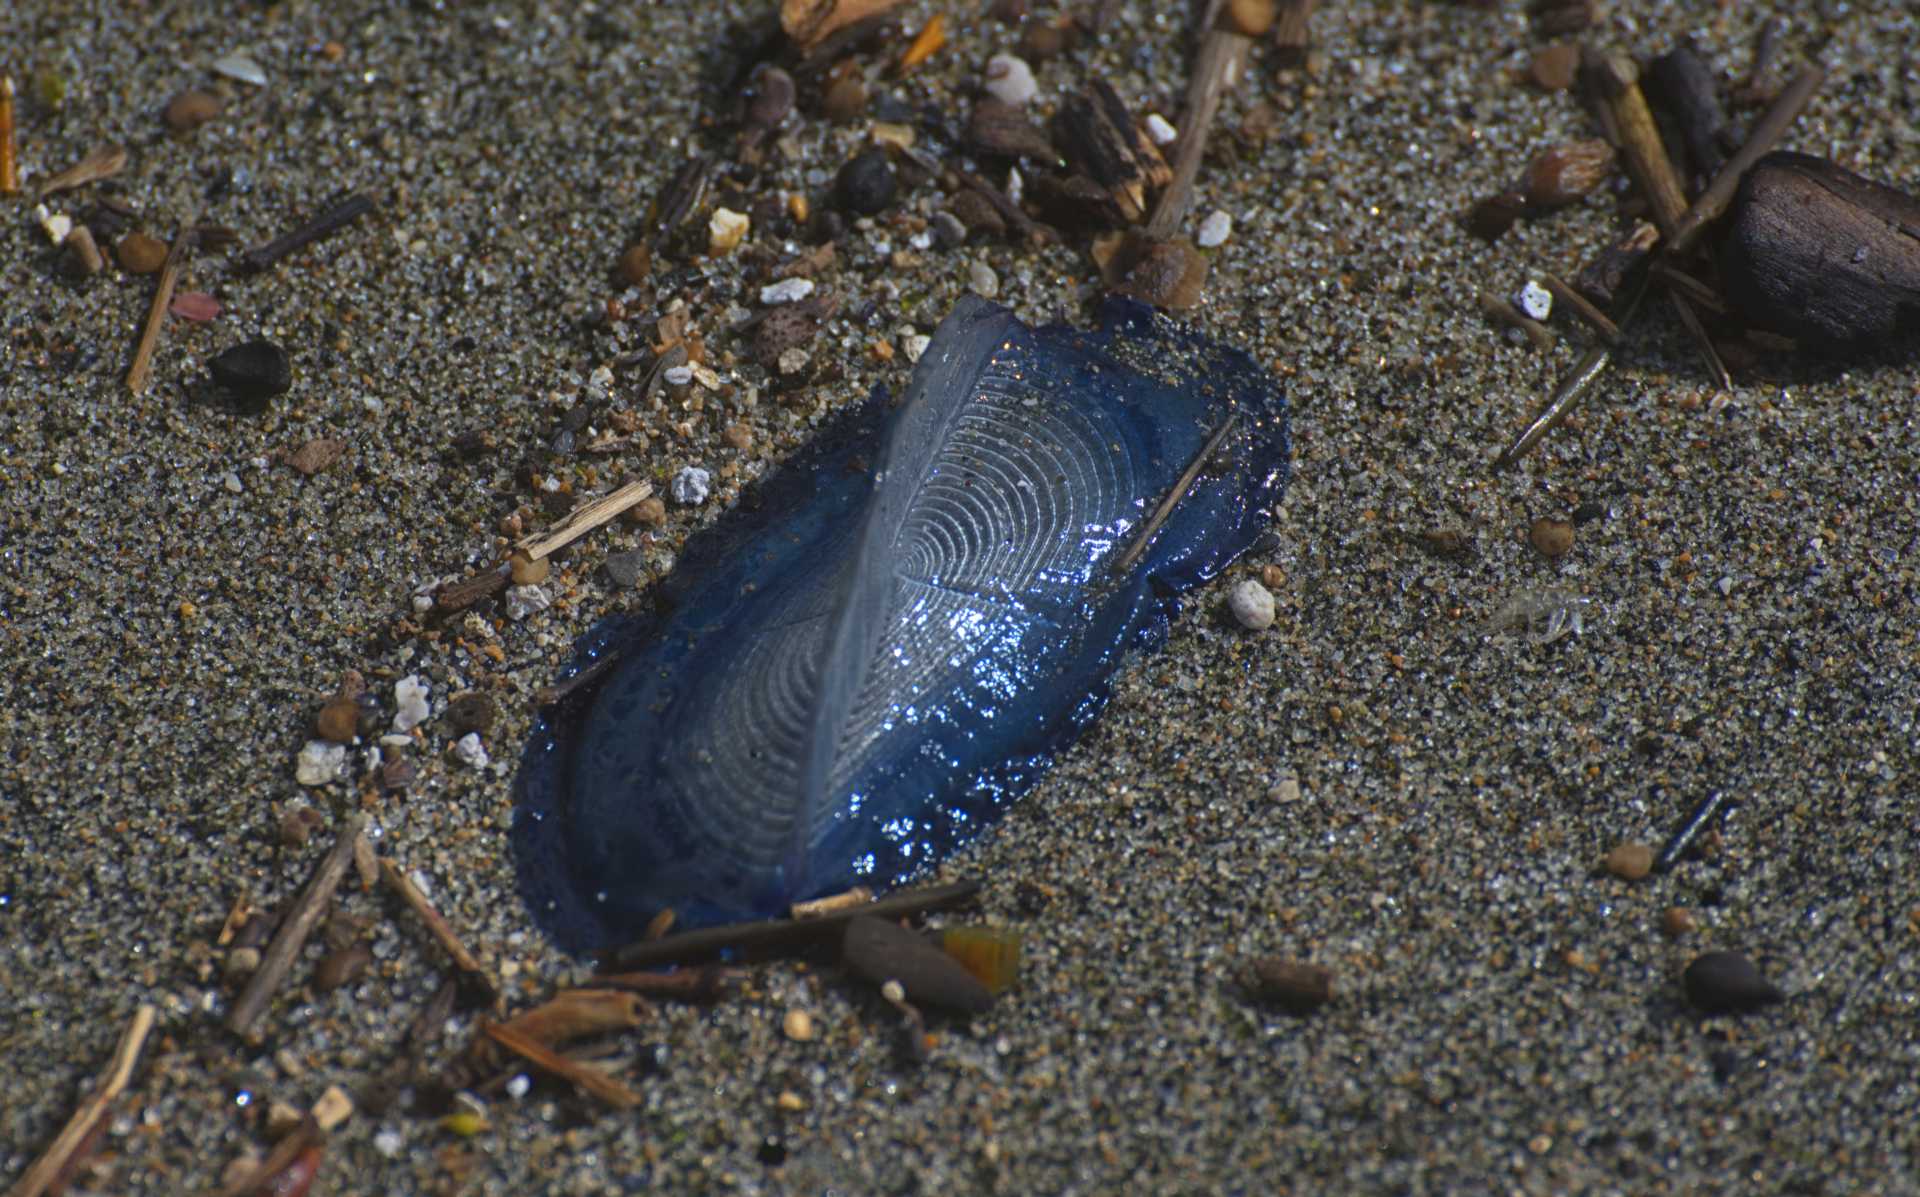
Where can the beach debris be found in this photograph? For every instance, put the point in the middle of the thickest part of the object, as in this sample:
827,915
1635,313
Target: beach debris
798,1026
635,264
319,763
1099,138
140,253
726,229
342,966
1552,67
1214,231
472,974
197,306
9,148
691,486
1551,537
527,571
102,163
1568,173
295,927
253,371
808,22
470,711
991,954
1728,982
316,455
1003,130
882,951
1534,300
77,1139
1683,839
239,67
584,1077
1010,80
1293,985
787,290
1676,921
82,258
1251,604
569,1015
469,751
1629,861
1542,616
336,216
190,109
925,44
170,271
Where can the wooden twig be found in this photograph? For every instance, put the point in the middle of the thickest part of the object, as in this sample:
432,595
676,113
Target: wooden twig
859,895
1702,340
1640,144
546,696
1029,229
157,311
581,1076
9,165
1689,831
284,1152
102,163
1215,68
1500,308
64,1152
1125,561
584,519
1572,386
438,927
783,934
294,929
336,217
1771,128
1682,283
688,985
1595,319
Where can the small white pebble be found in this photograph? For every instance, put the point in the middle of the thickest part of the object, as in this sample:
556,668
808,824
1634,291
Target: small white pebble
1251,604
894,991
982,280
518,1087
422,603
678,376
792,360
1214,230
600,382
231,481
1016,186
787,290
523,601
1286,790
1010,80
691,486
914,345
410,703
239,66
726,230
56,224
1534,300
1161,130
319,763
388,1143
470,752
1725,584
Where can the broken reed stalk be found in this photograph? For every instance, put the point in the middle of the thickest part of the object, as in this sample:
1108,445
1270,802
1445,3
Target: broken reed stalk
102,163
581,1076
783,934
702,984
9,166
1560,404
170,273
1215,68
331,221
1700,338
285,1151
67,1147
584,519
438,927
1593,317
1772,126
1683,838
294,929
1164,511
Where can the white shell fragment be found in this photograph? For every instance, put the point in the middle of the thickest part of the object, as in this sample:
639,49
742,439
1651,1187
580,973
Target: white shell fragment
1534,300
470,752
726,230
1010,80
239,66
691,486
787,290
1214,230
523,601
1251,604
410,703
319,763
1161,130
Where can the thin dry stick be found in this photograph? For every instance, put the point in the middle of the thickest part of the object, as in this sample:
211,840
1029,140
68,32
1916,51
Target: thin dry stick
1164,511
284,1152
292,936
1595,319
1700,338
859,895
102,163
157,311
687,985
1215,68
1501,308
546,696
781,933
1574,384
585,519
587,1079
1687,285
74,1136
437,926
1779,116
9,167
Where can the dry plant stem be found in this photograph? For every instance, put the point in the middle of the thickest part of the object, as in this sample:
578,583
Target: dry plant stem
284,1153
1766,134
781,934
689,985
582,1077
1215,68
585,519
9,167
1502,309
97,1106
330,221
1680,282
859,895
546,696
157,311
1700,338
1016,218
103,163
1164,511
439,928
292,936
1640,143
1595,319
1572,386
1689,831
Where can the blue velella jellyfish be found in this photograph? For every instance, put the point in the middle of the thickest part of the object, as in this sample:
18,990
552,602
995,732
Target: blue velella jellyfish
884,646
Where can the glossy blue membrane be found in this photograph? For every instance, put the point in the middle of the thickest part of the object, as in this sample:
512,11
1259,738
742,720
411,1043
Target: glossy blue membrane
863,665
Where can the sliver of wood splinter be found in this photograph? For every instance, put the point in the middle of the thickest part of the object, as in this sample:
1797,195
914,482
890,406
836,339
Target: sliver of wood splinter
72,1140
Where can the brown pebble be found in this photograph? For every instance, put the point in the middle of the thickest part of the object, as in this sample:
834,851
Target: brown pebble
528,571
298,824
846,99
342,967
469,712
1551,537
140,254
1492,217
1249,17
1677,921
1167,274
1568,172
1629,862
798,1025
339,720
317,454
1553,67
739,436
190,109
977,212
1728,983
635,264
1292,984
651,512
1042,41
1272,576
241,963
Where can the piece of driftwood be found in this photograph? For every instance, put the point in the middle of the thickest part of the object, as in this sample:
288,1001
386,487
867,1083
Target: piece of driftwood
584,1077
70,1146
1097,135
294,929
138,372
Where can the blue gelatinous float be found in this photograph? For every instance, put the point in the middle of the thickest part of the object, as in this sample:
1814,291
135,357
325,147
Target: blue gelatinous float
870,659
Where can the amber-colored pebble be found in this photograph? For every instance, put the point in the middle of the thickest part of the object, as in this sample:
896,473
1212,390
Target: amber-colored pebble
1552,537
846,99
1553,67
740,436
636,263
1677,921
651,512
1250,17
342,967
528,571
140,254
1272,576
338,719
1630,862
190,109
1567,172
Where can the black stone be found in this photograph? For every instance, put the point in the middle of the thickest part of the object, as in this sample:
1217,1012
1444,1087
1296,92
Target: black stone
1728,983
882,951
254,372
866,185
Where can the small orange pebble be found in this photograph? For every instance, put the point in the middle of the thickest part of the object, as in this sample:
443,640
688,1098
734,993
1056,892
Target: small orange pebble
881,350
991,954
926,44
